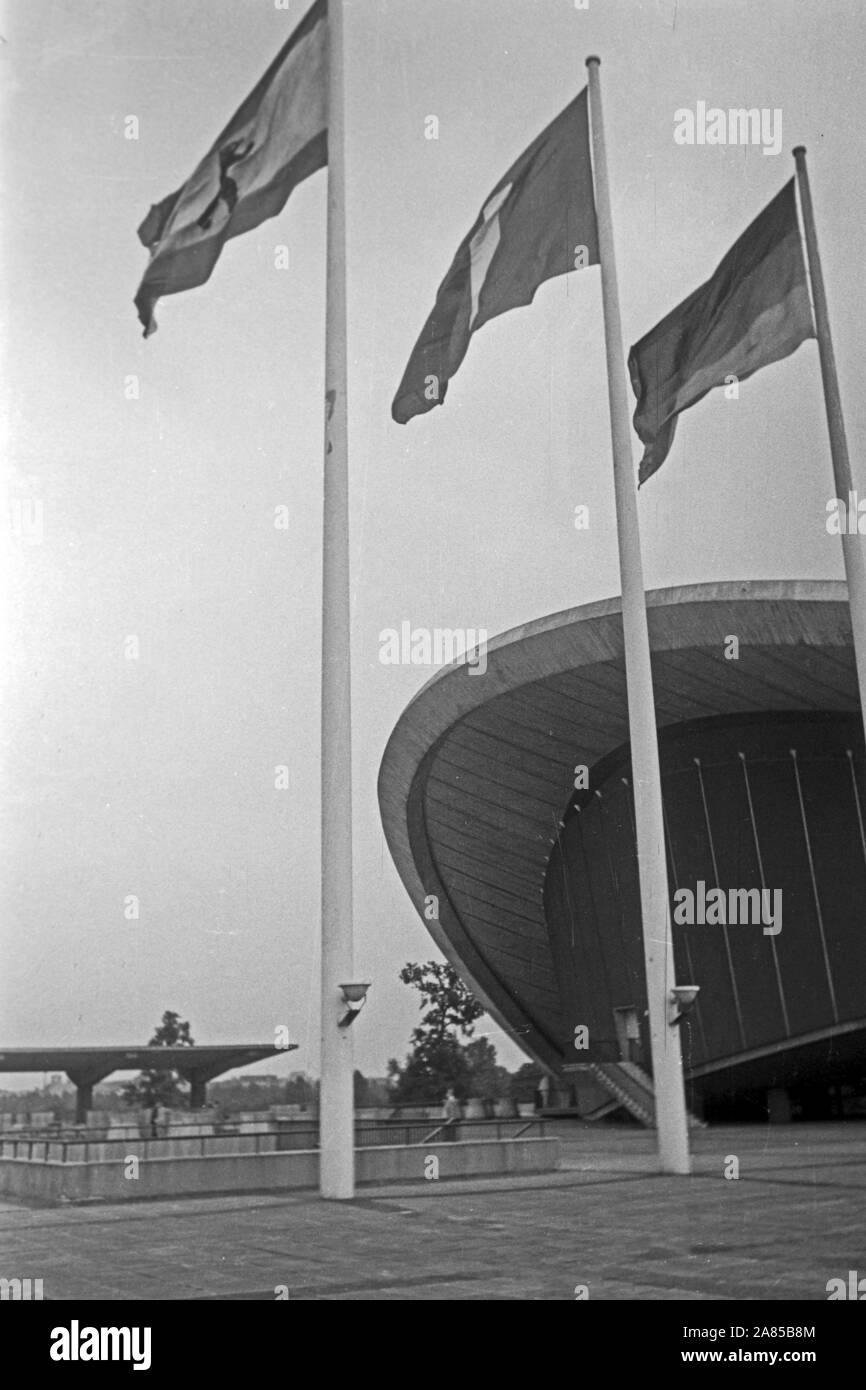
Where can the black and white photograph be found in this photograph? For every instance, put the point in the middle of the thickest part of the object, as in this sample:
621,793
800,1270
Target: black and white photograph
433,777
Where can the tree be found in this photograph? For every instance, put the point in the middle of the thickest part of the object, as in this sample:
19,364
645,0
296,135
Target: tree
525,1082
438,1059
300,1089
451,1009
160,1087
487,1080
172,1032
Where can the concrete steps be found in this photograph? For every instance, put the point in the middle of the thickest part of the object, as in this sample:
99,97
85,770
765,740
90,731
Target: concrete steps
631,1087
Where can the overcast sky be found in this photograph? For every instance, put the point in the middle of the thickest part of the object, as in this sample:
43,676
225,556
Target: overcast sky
154,776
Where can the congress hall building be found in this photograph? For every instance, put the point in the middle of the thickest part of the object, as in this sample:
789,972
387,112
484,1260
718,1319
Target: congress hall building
507,804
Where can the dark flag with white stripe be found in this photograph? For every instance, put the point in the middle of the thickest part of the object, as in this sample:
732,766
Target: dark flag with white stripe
538,222
276,139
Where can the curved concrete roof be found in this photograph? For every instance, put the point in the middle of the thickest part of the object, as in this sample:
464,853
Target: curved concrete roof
479,770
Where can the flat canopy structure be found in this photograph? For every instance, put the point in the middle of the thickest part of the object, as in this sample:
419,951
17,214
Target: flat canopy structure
86,1066
191,1061
480,770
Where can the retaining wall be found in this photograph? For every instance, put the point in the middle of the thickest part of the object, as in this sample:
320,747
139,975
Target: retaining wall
242,1172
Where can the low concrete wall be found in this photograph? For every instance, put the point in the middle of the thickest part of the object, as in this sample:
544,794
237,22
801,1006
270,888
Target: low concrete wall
480,1157
239,1172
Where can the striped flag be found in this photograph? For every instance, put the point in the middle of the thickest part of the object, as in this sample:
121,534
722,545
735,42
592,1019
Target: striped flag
538,222
276,139
753,311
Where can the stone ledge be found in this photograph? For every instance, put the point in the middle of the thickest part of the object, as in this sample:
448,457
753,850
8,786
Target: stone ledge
288,1171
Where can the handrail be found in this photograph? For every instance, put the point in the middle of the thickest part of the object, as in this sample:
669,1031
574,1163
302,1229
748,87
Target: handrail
98,1133
368,1134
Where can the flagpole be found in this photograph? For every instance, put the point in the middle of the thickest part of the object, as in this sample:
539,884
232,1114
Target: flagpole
671,1124
336,1109
853,546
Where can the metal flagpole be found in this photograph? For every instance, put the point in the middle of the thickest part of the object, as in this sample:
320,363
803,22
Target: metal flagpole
336,1118
853,546
671,1125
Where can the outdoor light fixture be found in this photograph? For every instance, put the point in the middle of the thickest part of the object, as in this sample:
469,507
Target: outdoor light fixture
682,1001
355,995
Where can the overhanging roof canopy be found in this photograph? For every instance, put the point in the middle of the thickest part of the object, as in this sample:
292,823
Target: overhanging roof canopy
480,768
95,1063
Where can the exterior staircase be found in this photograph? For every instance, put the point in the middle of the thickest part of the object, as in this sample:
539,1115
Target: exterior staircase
629,1086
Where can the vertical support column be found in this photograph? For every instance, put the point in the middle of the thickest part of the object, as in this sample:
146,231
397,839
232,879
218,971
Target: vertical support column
782,1001
197,1092
673,1141
699,1018
336,1119
849,753
853,544
717,884
816,896
83,1101
84,1079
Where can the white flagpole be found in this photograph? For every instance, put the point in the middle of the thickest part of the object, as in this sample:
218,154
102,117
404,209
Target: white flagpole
853,546
671,1124
336,1111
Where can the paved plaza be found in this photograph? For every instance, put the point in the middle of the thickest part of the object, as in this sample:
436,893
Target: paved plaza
794,1218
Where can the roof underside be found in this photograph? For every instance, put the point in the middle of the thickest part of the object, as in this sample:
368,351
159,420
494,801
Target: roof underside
480,768
104,1060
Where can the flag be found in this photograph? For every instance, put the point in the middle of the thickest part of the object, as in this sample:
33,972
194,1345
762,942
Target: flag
538,222
754,310
276,139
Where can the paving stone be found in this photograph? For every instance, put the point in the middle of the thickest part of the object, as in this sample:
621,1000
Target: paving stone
793,1220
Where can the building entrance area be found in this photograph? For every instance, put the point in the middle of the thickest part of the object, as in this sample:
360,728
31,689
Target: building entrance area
628,1034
